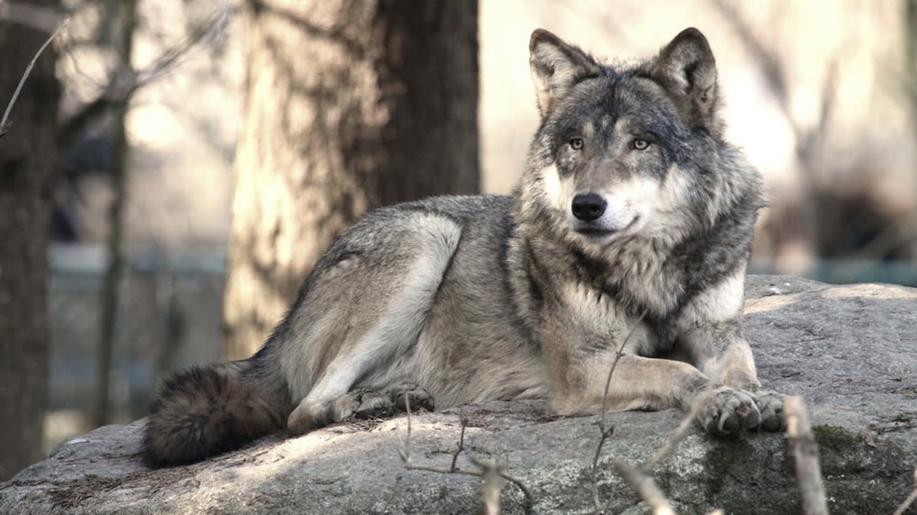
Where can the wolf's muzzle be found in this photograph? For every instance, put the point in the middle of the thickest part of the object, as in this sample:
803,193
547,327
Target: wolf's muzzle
588,206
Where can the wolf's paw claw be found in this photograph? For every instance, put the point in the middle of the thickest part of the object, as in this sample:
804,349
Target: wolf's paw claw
726,411
770,404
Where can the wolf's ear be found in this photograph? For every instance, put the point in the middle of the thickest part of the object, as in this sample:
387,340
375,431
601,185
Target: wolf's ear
687,69
556,67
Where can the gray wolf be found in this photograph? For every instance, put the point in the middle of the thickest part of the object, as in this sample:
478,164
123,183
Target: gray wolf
633,212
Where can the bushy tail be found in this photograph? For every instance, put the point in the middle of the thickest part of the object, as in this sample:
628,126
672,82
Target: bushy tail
205,411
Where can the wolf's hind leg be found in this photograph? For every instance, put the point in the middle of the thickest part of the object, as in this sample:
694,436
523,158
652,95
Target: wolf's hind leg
375,325
365,403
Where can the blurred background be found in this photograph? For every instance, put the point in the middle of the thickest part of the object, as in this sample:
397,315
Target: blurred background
171,169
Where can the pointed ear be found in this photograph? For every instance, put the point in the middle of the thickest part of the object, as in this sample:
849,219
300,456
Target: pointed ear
556,67
687,69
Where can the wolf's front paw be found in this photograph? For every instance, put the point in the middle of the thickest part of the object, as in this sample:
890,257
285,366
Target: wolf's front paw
727,411
770,405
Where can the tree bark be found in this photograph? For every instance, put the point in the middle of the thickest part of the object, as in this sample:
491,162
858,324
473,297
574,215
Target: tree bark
27,160
350,105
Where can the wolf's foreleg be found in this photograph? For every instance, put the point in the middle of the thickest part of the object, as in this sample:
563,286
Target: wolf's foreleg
637,383
651,383
579,373
719,350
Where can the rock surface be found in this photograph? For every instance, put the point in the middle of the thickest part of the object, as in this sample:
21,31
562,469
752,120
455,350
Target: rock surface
851,351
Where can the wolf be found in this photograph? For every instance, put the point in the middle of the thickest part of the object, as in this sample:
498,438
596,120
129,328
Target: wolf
625,242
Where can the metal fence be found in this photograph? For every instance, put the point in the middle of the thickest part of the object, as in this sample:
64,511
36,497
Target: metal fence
169,316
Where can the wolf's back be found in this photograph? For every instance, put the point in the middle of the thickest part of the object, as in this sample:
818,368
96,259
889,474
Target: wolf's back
205,411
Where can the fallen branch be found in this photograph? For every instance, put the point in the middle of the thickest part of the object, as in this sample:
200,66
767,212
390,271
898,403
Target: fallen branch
4,122
805,451
910,498
646,488
529,500
491,489
461,444
484,467
678,435
124,83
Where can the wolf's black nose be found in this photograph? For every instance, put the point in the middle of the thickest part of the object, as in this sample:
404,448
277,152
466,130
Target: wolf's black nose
588,206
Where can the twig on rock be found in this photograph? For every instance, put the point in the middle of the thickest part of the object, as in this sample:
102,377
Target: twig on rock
678,435
485,468
910,498
646,488
805,451
461,443
528,499
123,84
605,430
4,122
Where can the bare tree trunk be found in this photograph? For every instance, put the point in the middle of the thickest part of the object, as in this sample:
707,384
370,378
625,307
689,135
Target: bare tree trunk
27,158
910,56
115,269
910,70
351,105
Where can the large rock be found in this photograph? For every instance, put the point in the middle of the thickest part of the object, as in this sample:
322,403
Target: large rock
851,351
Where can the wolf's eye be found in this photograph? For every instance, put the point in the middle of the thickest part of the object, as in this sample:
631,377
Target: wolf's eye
641,144
576,143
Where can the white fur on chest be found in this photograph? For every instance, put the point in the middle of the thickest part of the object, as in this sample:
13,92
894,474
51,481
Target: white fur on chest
719,303
600,315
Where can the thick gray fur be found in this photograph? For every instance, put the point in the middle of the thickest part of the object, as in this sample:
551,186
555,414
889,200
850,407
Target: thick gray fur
509,297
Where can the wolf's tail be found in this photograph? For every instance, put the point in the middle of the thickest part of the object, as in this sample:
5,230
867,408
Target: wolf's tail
205,411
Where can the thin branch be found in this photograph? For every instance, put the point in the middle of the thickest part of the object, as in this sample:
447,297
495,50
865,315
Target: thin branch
4,122
618,353
528,499
528,502
461,444
604,429
910,498
808,141
596,502
678,435
646,488
805,451
491,489
208,29
125,83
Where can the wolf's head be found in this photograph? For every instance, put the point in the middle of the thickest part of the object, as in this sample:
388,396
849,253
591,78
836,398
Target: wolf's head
628,150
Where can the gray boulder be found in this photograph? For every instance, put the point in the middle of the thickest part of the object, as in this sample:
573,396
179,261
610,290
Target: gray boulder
851,351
